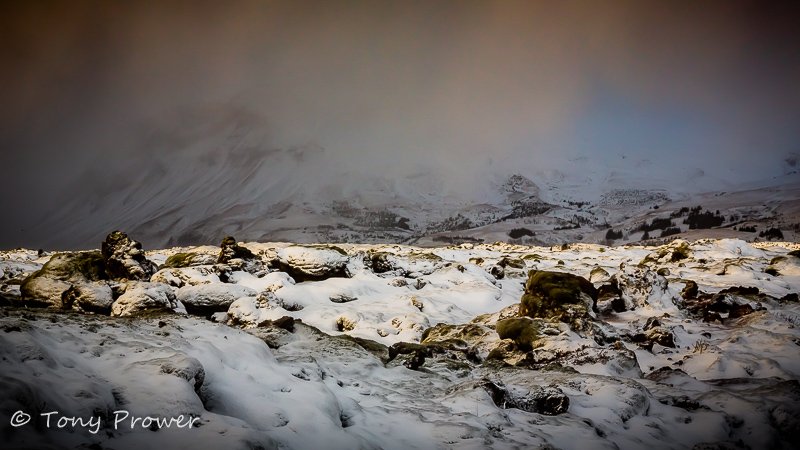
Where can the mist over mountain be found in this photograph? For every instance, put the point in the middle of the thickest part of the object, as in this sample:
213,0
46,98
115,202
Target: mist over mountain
185,120
205,173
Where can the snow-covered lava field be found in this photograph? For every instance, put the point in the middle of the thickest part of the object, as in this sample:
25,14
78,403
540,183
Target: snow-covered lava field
272,345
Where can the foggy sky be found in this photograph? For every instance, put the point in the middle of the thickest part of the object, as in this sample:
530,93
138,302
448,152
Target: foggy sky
390,84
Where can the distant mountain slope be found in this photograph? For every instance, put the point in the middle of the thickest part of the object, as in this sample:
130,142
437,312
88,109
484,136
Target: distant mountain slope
217,175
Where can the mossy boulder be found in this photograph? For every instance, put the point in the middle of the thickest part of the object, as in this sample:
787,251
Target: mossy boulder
188,259
522,330
79,266
65,278
557,295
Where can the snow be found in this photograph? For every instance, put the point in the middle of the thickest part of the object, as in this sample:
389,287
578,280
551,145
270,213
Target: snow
256,386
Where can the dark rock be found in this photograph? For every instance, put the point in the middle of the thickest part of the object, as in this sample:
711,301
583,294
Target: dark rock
382,262
342,298
682,401
416,360
737,311
548,400
740,290
609,297
285,322
405,348
651,322
233,254
656,335
661,336
514,263
793,297
690,290
497,271
125,259
222,271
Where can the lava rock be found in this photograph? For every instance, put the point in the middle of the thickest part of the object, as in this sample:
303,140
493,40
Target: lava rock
548,400
125,259
497,271
690,290
416,360
237,257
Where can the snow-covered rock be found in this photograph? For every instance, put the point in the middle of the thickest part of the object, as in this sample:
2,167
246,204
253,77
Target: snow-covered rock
205,299
313,263
143,296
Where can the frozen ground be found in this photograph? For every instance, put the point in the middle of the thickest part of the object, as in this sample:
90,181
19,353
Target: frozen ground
251,381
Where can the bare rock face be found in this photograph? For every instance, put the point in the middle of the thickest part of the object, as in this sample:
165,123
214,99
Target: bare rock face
125,259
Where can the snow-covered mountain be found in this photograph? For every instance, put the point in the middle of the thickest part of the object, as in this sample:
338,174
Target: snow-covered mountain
207,175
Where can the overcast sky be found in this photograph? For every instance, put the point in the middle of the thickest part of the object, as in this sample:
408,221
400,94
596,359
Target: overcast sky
374,82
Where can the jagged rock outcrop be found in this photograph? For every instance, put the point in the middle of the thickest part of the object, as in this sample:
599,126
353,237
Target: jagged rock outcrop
237,257
124,258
